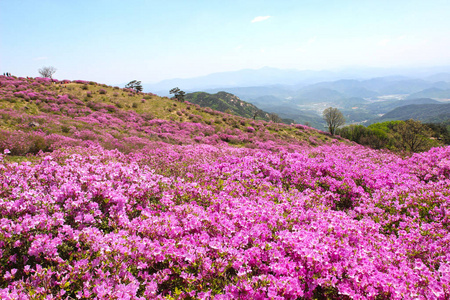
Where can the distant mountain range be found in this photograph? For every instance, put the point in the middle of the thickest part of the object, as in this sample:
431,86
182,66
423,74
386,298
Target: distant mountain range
434,92
303,95
268,76
247,77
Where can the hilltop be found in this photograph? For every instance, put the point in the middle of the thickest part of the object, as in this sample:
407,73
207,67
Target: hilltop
226,102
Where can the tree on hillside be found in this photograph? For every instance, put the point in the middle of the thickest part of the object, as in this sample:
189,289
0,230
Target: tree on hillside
334,119
274,118
178,94
414,136
47,72
135,85
440,132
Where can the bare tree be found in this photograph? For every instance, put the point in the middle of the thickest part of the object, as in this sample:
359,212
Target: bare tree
334,119
47,72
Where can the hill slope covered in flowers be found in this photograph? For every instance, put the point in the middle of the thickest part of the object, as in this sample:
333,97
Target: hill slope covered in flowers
115,210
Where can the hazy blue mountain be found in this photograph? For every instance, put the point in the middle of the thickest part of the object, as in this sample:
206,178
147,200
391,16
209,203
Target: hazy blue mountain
439,77
405,86
268,100
253,92
377,84
369,77
316,95
241,78
432,93
347,87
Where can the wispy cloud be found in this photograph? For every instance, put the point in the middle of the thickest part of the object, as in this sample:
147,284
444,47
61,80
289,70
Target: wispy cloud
41,58
260,19
311,41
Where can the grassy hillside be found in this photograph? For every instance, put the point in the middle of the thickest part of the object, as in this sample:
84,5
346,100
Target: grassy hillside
37,114
226,102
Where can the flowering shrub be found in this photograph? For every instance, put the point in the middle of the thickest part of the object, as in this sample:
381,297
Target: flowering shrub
226,223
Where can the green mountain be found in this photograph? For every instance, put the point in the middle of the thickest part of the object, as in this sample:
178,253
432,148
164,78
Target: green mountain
383,107
349,88
226,102
427,113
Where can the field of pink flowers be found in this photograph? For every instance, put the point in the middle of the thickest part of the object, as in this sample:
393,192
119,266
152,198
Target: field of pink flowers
207,220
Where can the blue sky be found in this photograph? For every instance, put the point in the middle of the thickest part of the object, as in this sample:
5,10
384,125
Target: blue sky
113,42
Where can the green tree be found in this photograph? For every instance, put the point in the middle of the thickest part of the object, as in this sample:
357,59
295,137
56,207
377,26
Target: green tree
372,137
178,94
334,118
414,136
135,85
275,118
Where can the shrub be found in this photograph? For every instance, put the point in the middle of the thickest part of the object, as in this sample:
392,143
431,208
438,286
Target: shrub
65,128
102,91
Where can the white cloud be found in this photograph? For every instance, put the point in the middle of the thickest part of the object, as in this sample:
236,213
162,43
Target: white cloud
260,18
311,41
384,42
41,58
